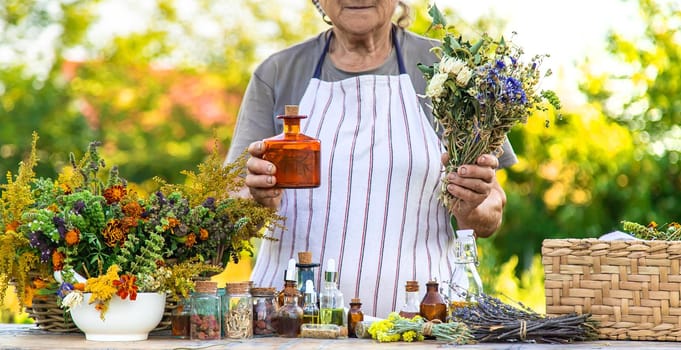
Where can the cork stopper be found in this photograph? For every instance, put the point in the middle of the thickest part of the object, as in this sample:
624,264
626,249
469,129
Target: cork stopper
291,110
291,113
237,287
305,258
263,291
355,301
206,287
412,286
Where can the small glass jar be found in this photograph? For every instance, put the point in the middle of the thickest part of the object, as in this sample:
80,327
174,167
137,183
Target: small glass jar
289,316
264,311
355,316
411,306
179,319
237,307
205,314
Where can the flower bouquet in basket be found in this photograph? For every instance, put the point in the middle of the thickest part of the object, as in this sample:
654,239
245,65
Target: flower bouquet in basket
89,231
479,91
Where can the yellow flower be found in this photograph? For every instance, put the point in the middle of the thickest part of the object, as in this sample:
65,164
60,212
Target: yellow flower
102,289
409,336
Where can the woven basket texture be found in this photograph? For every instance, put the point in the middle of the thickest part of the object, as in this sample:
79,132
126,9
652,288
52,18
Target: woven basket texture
633,288
48,316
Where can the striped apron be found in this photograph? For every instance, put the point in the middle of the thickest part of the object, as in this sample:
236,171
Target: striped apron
376,212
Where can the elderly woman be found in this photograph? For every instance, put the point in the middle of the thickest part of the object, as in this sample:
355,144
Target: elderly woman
377,211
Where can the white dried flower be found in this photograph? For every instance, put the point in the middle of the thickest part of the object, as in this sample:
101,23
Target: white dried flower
72,299
436,85
451,65
464,76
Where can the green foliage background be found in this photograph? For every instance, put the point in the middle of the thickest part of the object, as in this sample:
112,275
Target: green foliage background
156,96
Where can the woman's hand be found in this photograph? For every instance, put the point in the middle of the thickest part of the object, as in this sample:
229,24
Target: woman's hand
480,199
260,177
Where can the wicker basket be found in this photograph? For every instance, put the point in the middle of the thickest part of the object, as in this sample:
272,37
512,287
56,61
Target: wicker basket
633,288
48,316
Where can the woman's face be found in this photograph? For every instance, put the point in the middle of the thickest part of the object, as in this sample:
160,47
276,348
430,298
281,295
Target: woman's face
359,17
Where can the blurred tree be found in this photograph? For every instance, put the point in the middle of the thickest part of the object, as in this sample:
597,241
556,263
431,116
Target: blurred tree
613,159
154,94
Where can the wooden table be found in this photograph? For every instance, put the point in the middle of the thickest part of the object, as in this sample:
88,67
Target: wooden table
14,337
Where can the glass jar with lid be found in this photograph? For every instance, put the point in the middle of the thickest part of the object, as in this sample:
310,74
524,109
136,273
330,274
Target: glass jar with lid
205,312
264,311
237,308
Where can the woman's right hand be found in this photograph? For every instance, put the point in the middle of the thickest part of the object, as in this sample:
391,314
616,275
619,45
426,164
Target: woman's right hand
260,177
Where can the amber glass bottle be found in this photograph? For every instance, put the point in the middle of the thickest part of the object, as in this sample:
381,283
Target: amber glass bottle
355,316
433,305
296,156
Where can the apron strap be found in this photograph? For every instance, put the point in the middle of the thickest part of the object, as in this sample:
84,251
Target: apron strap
398,52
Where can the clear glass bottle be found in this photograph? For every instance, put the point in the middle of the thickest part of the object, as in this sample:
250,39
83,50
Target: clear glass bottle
310,308
433,306
331,304
465,284
297,157
307,270
355,316
179,320
289,316
264,311
205,312
412,301
237,308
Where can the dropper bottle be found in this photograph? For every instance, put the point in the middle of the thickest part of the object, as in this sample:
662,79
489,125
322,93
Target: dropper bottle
310,310
290,280
331,304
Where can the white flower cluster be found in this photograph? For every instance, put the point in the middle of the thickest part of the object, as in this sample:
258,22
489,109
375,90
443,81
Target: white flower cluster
448,67
72,299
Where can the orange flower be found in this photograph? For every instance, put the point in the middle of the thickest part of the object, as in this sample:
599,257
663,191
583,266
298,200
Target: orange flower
114,234
173,222
652,225
191,240
53,208
126,287
66,188
12,226
128,222
39,283
203,234
114,194
72,237
58,260
79,286
133,209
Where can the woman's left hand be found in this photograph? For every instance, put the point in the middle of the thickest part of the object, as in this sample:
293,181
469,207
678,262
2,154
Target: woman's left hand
480,197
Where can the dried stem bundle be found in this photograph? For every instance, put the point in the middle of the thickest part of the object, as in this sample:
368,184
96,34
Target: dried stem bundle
491,320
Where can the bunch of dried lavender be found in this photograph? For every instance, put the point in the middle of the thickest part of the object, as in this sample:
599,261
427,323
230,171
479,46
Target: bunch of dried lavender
491,320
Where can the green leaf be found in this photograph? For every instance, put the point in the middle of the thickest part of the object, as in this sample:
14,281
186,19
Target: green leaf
426,70
439,20
478,45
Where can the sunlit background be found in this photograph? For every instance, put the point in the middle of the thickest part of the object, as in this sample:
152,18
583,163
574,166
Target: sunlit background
155,80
